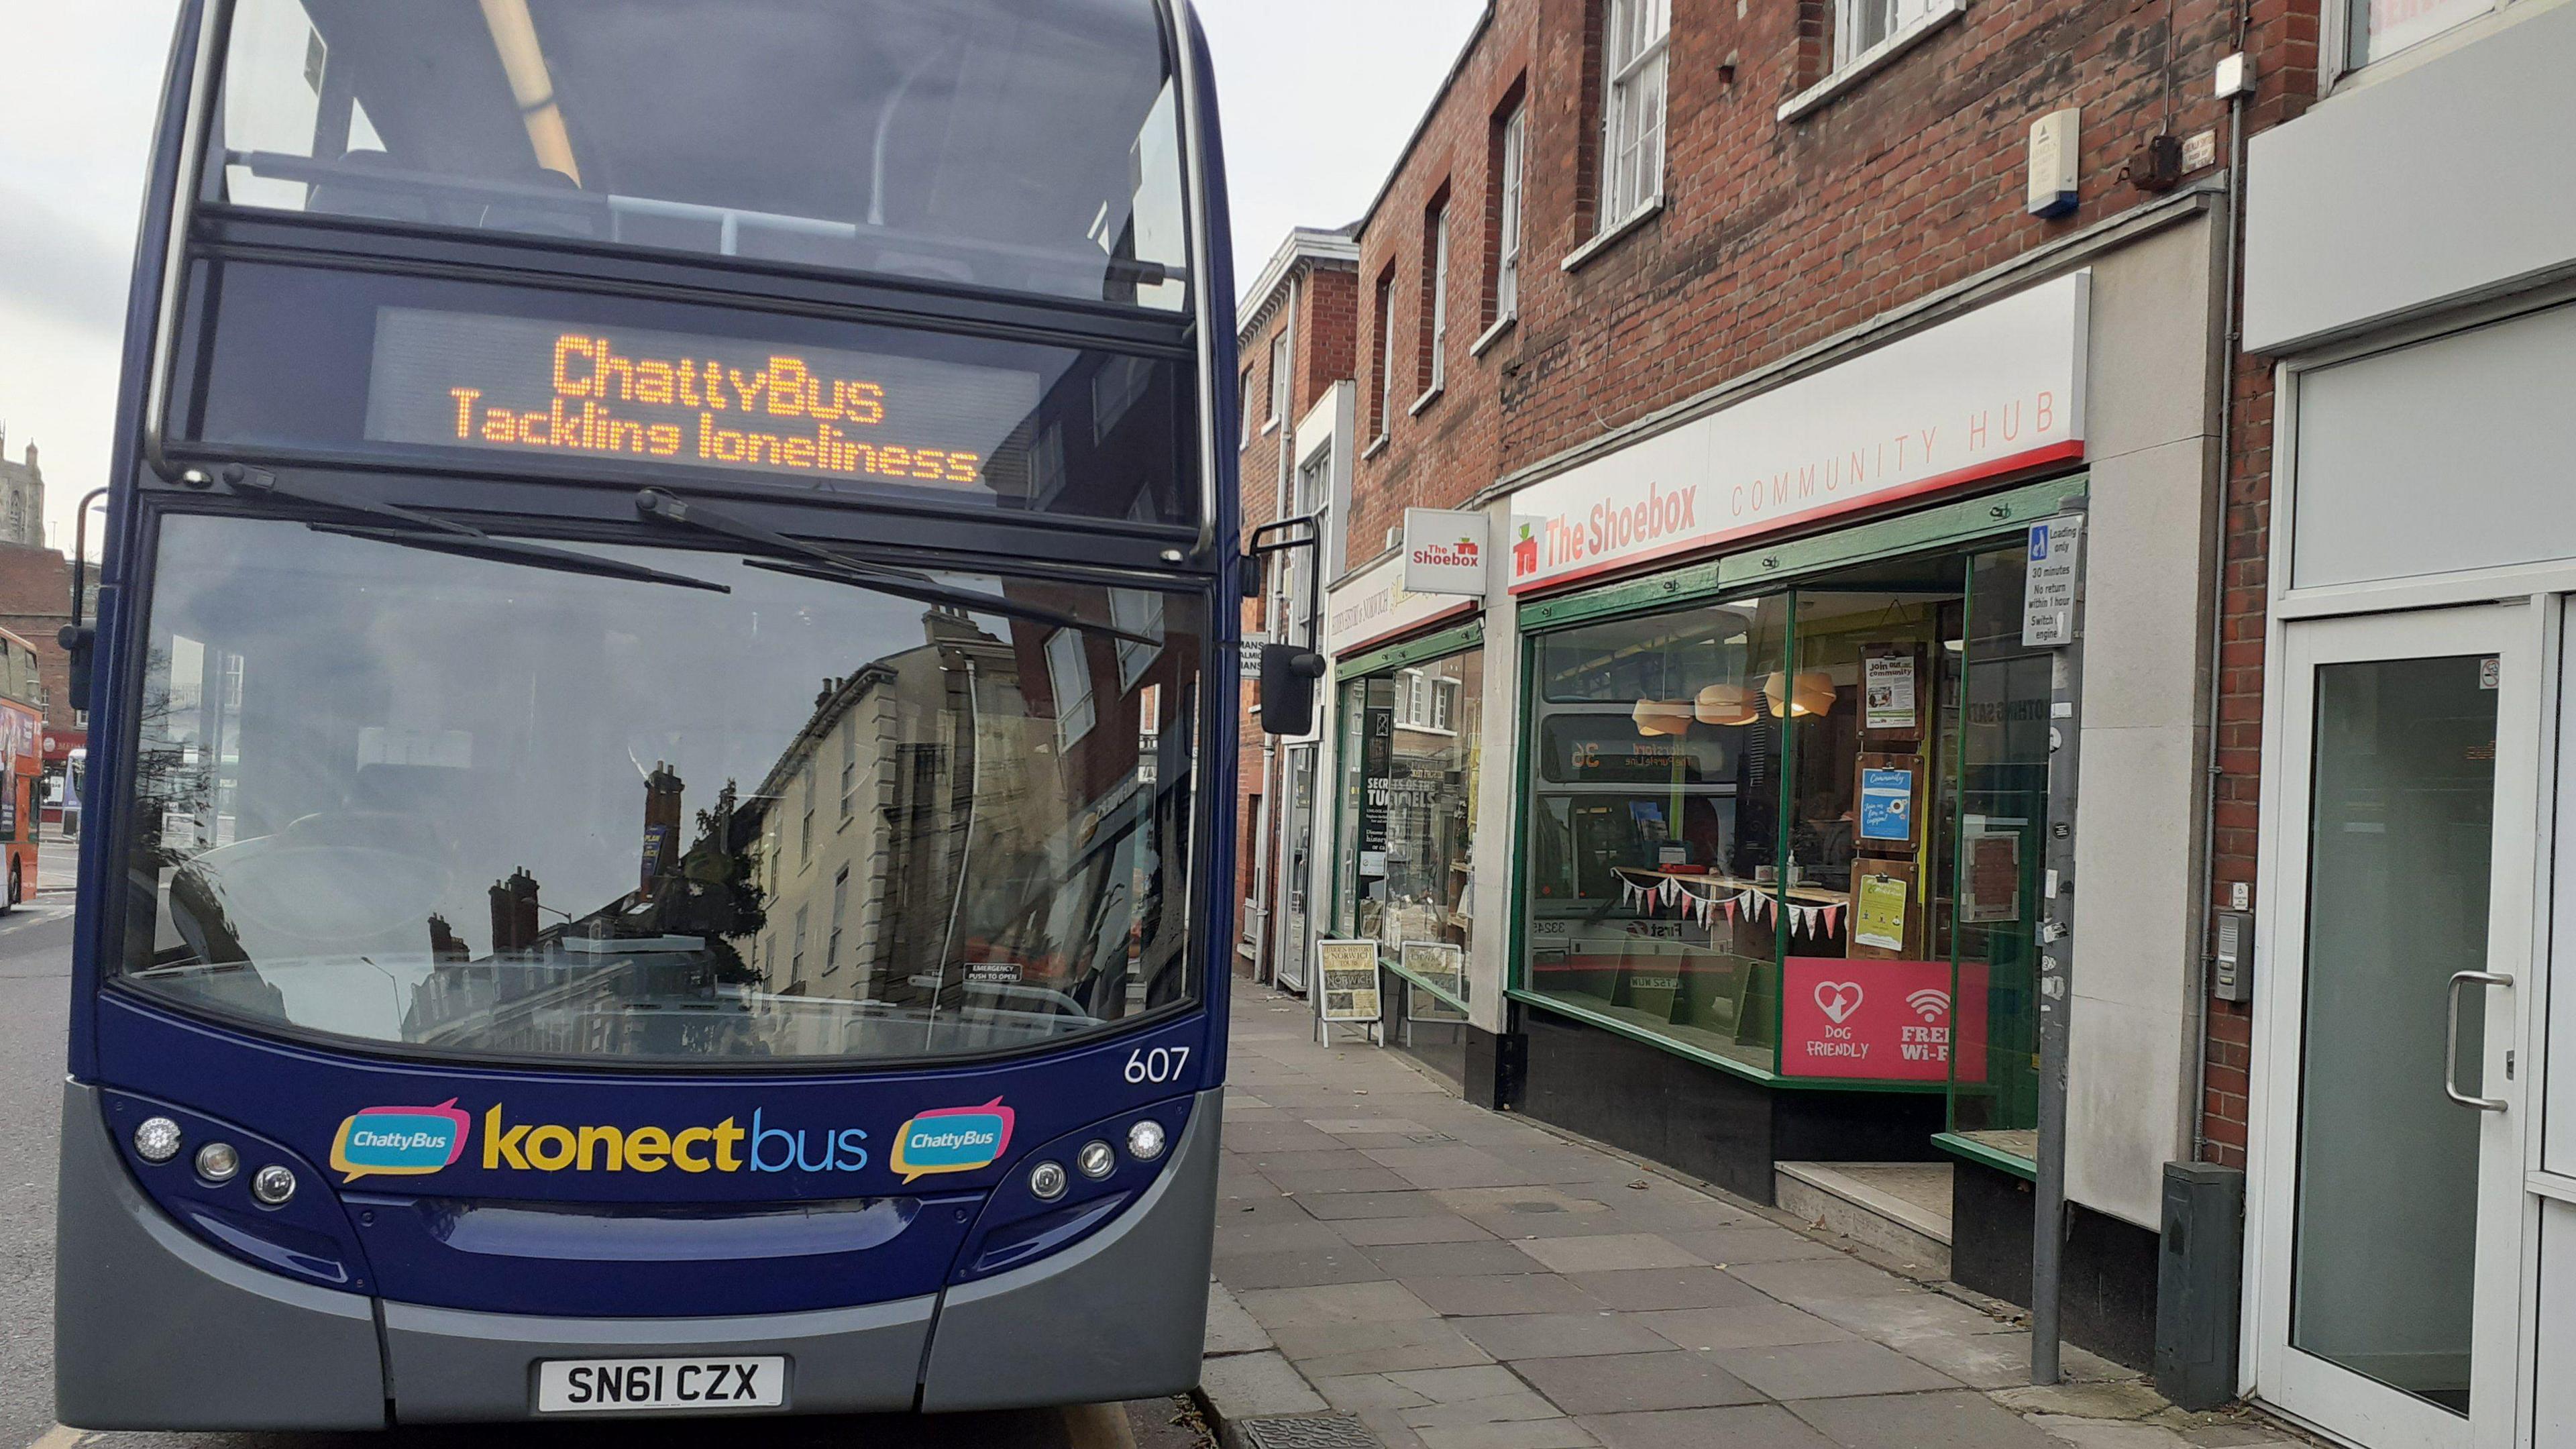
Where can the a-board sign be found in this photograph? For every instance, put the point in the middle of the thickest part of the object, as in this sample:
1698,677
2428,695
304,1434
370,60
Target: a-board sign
1346,977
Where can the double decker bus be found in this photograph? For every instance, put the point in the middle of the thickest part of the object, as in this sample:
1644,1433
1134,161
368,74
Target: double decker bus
22,766
664,691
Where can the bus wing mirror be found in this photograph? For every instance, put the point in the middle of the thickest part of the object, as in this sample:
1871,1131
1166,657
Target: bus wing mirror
1288,676
80,646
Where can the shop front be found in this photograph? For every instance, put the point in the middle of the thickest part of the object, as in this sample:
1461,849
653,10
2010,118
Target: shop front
1786,672
2412,1157
1792,829
1407,761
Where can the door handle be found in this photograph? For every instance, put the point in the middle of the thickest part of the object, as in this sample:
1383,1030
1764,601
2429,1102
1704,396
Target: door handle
2451,1039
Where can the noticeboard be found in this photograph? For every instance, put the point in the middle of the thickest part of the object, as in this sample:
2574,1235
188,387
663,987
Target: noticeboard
1347,980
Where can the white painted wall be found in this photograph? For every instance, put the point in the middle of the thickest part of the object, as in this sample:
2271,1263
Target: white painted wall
2136,971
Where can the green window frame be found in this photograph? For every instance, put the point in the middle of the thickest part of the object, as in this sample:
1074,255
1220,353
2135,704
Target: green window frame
1967,526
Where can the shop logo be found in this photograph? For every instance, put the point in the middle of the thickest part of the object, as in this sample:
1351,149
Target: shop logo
1838,999
399,1141
953,1139
723,1146
1464,554
1525,552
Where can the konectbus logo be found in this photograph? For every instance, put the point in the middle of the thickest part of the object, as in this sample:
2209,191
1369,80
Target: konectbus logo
724,1146
399,1141
953,1139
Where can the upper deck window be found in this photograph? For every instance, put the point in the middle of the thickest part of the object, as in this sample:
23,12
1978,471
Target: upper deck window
1027,146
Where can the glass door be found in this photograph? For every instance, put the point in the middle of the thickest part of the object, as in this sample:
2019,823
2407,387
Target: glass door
1296,938
2402,853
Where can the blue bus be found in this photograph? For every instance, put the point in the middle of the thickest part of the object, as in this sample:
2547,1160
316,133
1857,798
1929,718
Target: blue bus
664,709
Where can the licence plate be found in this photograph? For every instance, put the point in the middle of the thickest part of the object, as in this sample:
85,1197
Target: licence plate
625,1385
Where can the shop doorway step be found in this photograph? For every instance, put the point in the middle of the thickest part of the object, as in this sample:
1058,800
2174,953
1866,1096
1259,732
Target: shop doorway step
1901,1209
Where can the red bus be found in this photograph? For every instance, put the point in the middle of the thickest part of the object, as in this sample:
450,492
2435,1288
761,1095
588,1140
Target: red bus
22,763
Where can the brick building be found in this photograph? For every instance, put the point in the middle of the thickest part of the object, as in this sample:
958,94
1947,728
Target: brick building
1757,342
1294,335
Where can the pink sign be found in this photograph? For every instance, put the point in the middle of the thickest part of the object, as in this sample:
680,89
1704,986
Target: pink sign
1880,1021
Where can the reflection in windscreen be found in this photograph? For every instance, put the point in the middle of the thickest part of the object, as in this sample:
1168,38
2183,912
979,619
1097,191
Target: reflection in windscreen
1025,145
483,808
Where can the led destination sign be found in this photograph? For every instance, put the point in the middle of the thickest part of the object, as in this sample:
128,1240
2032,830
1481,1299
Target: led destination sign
508,384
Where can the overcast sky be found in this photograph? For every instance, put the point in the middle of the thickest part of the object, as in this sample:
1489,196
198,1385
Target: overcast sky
1312,123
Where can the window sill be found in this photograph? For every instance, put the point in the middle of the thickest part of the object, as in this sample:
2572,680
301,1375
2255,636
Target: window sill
1492,335
1871,61
1375,448
1269,427
1611,236
1427,399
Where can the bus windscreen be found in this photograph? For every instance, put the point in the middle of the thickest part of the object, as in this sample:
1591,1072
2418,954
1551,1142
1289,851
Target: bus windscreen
1023,146
522,386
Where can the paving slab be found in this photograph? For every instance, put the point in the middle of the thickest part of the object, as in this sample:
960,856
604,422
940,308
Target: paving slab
1229,1328
2062,1430
1609,1251
1492,1294
1957,1420
1752,1243
1811,1280
1251,1385
1756,1426
1535,1434
1299,1268
1449,1260
1559,1335
1357,1393
1750,1325
1307,1307
1896,1317
1829,1370
1629,1382
1650,1290
1334,1207
1433,1228
1517,1404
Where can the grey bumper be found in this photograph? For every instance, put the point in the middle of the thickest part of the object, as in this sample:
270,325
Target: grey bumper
155,1330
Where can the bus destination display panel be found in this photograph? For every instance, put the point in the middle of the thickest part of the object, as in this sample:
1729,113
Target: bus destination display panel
822,416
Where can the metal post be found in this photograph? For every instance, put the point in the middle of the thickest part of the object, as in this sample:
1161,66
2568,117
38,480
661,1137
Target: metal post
2056,955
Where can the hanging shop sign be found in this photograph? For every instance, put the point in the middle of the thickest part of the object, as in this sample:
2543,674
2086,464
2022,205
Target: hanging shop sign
1348,972
1993,392
1376,606
1444,552
1881,1021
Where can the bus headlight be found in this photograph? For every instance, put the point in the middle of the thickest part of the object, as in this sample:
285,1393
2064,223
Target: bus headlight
157,1140
273,1185
217,1162
1047,1181
1145,1140
1097,1160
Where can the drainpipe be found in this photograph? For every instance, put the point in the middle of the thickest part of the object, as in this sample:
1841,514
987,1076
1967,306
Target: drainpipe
2231,340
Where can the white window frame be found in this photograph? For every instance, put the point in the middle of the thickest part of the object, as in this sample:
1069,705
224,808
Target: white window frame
1911,21
1636,37
1281,375
1243,399
1069,673
1507,264
796,958
1439,377
2338,37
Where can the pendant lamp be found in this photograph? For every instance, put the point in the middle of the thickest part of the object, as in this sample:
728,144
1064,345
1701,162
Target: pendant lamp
1812,692
1726,704
1660,717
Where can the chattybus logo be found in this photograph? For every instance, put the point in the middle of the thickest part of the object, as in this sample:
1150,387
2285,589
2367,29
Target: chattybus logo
399,1141
953,1139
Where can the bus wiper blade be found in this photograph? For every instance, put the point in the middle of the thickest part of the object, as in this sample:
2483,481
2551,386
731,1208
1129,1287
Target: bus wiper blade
510,550
441,535
972,600
664,507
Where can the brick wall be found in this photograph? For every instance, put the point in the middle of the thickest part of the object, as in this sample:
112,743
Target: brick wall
1776,235
1315,305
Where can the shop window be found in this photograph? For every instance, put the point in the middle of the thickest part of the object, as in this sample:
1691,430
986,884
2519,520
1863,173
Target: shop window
1800,830
1406,834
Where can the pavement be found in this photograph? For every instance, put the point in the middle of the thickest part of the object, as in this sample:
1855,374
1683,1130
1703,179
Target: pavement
1444,1277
